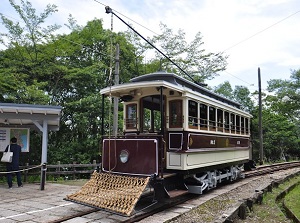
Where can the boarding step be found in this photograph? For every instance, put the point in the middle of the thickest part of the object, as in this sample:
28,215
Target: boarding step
111,192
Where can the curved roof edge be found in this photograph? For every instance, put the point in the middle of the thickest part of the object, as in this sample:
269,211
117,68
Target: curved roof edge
178,80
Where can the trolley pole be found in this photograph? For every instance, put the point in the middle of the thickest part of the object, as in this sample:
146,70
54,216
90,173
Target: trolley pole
116,99
261,151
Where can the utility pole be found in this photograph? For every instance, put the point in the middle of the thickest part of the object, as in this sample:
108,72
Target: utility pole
261,150
116,99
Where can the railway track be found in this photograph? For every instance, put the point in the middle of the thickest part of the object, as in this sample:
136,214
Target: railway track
147,207
261,170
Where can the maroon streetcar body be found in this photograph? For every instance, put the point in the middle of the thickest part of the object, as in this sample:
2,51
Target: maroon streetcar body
143,156
197,141
178,133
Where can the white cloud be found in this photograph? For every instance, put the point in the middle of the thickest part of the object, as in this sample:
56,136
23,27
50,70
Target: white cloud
250,32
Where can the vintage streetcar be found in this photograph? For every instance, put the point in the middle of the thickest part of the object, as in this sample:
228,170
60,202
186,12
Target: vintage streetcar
178,137
182,136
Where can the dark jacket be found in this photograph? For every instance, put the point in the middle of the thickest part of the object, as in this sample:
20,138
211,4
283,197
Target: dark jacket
16,149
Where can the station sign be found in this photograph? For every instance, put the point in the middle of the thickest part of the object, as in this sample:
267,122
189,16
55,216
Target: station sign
22,135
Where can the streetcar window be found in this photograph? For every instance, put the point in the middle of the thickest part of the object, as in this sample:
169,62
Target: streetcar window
238,123
130,120
147,120
175,114
193,114
242,125
203,116
226,121
247,125
220,119
212,118
232,123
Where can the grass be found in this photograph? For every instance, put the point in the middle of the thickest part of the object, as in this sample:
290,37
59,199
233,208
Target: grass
292,201
205,212
270,210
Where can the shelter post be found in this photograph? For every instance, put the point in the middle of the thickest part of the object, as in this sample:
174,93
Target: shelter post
44,154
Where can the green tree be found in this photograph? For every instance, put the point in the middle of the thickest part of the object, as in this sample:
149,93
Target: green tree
280,136
240,94
67,70
281,132
83,69
286,96
225,90
243,96
191,57
20,64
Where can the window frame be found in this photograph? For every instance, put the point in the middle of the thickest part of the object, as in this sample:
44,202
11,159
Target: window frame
131,122
177,103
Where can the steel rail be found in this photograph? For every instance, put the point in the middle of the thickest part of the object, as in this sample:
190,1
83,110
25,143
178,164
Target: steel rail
162,206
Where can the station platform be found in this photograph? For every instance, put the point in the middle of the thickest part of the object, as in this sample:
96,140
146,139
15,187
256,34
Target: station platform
30,204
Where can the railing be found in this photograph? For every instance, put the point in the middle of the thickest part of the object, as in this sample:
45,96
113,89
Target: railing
66,171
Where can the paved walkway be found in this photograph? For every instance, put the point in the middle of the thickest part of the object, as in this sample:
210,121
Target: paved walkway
30,204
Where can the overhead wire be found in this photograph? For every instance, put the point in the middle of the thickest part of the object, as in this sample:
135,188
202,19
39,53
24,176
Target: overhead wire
259,32
128,18
234,45
252,36
238,78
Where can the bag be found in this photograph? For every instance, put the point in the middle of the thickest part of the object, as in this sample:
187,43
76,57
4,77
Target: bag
7,156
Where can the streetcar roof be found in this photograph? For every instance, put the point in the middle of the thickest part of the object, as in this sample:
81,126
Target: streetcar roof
164,79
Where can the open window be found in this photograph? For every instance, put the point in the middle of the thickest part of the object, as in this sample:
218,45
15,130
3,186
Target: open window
232,123
151,114
226,121
193,114
212,118
175,114
203,116
220,120
243,125
238,123
247,125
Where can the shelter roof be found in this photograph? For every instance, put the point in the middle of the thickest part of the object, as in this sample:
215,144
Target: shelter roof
28,115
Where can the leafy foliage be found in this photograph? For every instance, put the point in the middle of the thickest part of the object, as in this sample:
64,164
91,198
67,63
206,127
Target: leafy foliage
280,118
39,66
225,90
280,136
190,57
67,70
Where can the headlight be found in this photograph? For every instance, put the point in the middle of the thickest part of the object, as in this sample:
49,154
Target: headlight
124,155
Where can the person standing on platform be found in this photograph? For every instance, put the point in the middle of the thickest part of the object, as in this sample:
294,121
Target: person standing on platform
14,165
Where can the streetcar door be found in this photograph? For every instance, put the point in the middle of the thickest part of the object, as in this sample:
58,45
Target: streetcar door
151,114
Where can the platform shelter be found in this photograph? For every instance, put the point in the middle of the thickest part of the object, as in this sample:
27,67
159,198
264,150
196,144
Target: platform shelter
43,118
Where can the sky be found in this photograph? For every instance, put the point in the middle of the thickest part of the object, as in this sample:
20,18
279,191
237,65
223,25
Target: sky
253,33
